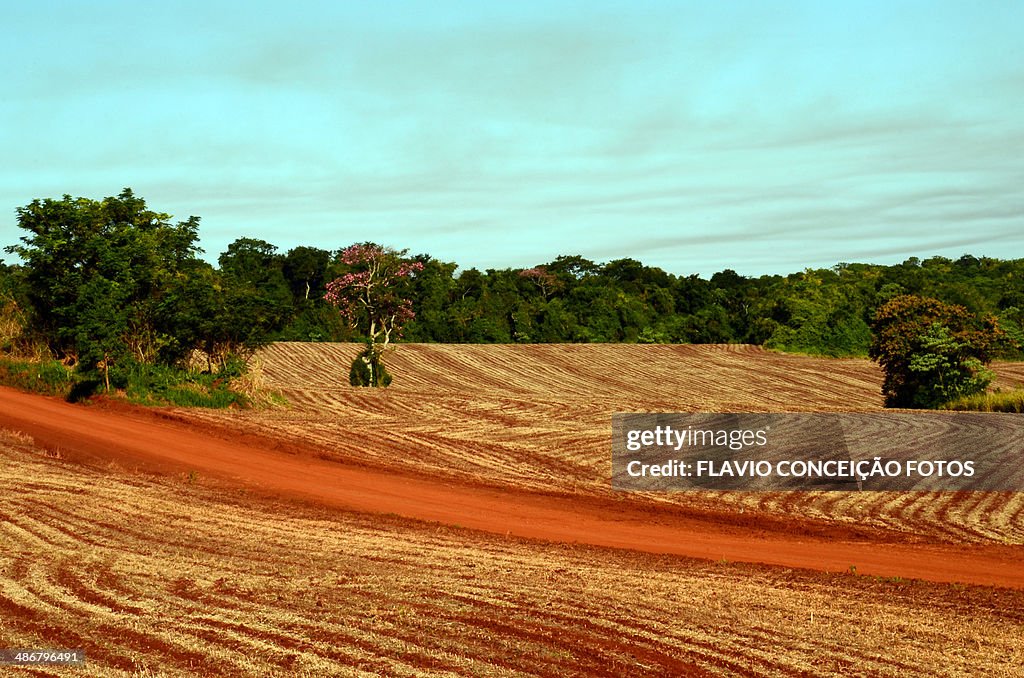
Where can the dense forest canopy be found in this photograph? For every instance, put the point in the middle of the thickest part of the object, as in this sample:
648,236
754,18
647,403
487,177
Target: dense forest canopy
96,276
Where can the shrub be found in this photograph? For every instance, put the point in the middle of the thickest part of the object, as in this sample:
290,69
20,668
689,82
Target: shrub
138,383
368,369
932,352
946,369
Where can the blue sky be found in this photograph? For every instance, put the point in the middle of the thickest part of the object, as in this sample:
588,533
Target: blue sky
761,136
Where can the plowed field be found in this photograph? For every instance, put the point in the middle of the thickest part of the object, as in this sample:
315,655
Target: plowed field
461,523
179,575
538,418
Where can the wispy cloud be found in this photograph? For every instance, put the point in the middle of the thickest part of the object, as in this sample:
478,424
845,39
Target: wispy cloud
696,137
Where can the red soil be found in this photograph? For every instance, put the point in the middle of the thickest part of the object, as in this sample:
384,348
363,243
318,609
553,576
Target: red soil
142,438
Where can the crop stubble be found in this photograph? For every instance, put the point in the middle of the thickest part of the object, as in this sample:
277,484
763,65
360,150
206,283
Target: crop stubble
538,417
157,575
184,576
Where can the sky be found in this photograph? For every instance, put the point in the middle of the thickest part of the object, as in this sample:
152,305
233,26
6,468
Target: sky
765,137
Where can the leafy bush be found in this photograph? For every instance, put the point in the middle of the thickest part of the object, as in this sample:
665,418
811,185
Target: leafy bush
932,352
368,369
946,369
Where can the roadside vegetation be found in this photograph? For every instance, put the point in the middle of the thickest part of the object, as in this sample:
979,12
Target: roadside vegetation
112,298
46,377
140,384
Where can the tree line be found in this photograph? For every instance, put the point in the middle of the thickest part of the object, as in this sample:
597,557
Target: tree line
107,283
575,300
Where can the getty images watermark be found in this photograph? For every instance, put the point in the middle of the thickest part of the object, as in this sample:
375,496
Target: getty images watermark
936,451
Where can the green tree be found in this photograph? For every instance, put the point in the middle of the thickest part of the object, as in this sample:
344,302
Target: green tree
930,350
96,274
431,293
946,369
255,300
305,269
817,312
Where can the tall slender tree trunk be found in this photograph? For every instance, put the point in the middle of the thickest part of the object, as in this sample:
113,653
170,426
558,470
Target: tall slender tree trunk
369,365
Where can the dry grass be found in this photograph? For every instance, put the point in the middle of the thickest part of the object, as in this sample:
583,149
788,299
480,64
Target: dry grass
13,342
163,576
992,401
12,321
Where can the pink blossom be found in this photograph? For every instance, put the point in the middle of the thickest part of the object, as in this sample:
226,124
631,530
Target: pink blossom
370,296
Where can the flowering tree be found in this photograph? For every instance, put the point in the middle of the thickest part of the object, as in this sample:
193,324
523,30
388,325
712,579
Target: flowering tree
372,298
539,276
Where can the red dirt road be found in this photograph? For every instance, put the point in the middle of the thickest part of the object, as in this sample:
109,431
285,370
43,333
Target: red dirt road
142,438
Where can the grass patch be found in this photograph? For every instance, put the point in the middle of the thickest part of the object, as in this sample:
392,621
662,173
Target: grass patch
47,377
161,385
153,385
999,401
